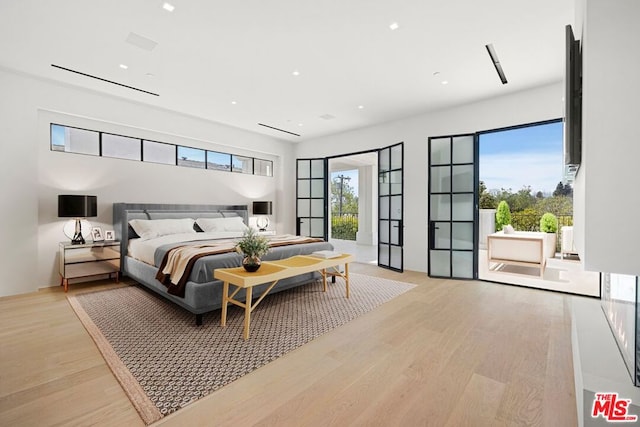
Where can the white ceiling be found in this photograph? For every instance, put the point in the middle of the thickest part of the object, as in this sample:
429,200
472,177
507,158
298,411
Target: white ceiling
213,52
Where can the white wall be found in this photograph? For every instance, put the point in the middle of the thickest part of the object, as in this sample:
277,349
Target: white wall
608,177
534,105
33,175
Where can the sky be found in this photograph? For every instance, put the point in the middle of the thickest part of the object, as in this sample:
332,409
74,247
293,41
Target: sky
353,182
524,156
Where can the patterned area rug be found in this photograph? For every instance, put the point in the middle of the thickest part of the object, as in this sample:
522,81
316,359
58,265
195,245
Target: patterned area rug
164,362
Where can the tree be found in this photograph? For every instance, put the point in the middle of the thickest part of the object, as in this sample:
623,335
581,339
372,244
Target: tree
343,196
487,200
539,195
563,190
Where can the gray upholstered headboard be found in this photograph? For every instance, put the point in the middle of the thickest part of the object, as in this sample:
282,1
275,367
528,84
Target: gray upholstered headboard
124,212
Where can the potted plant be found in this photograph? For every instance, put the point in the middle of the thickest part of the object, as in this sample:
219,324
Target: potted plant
252,246
549,224
503,215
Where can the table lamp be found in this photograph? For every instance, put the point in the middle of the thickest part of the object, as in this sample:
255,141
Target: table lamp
78,207
262,209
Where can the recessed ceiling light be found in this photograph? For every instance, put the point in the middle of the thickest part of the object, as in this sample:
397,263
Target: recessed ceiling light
296,73
360,107
394,26
435,73
150,75
299,124
124,67
168,6
234,102
444,82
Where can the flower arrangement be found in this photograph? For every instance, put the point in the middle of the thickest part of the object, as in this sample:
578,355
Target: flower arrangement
252,246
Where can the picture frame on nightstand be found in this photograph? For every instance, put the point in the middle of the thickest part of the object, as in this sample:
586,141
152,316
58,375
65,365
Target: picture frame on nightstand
109,236
96,234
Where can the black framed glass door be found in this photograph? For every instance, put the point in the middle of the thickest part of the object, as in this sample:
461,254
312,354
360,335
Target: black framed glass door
453,174
311,197
390,207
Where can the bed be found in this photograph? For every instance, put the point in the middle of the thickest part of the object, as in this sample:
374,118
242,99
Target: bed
524,248
142,256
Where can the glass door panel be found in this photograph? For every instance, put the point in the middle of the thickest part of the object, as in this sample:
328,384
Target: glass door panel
311,203
452,207
390,207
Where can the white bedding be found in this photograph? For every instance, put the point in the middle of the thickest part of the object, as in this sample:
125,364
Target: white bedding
144,249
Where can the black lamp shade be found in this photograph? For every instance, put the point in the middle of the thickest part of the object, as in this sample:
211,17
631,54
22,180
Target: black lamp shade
262,208
76,206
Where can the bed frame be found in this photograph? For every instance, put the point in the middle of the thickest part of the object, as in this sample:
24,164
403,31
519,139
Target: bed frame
199,298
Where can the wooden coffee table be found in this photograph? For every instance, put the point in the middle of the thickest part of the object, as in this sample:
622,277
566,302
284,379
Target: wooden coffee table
272,272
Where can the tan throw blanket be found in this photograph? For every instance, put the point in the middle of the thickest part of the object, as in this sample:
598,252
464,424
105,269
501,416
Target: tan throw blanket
176,266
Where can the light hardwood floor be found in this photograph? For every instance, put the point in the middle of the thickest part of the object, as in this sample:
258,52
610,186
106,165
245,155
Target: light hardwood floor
447,353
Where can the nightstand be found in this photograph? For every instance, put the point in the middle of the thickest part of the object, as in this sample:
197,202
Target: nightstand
267,233
89,259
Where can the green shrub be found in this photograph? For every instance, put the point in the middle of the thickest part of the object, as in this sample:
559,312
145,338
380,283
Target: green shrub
549,223
344,227
526,220
503,215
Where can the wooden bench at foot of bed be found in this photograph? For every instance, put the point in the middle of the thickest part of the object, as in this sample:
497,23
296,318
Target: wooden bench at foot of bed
272,272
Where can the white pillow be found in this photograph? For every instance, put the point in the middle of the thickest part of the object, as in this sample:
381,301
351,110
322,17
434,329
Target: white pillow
508,229
233,223
151,228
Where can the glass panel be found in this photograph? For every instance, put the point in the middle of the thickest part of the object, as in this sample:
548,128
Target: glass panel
384,207
120,147
395,232
462,264
57,138
317,227
263,167
317,168
73,140
317,207
241,164
462,235
158,152
305,227
442,235
439,263
396,207
384,163
218,161
317,188
440,207
441,151
441,179
462,178
384,179
463,207
304,168
383,254
396,257
384,231
463,149
303,208
190,157
396,157
304,188
396,182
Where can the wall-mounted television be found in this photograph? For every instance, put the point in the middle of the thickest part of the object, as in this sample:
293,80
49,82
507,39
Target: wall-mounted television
572,101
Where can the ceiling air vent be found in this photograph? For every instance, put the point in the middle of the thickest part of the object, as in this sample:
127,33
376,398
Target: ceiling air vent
103,80
141,42
278,129
496,63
